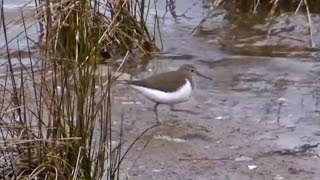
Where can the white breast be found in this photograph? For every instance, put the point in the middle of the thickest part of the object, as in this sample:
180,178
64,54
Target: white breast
181,95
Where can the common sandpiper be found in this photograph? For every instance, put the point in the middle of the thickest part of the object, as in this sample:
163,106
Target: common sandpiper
169,88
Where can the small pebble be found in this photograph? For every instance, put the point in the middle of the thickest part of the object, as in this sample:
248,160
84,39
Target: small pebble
130,102
243,158
234,147
278,177
291,126
157,170
252,167
281,100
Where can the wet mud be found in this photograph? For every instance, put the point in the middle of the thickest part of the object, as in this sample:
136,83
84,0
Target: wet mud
258,118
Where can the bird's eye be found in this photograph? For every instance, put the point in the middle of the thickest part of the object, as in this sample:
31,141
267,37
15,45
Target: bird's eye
191,70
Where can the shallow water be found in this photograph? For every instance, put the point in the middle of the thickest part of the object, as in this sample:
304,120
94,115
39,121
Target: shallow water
239,110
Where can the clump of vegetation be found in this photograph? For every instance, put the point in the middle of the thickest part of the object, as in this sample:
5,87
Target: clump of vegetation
270,7
55,113
254,23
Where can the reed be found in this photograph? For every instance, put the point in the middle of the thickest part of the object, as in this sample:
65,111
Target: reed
56,110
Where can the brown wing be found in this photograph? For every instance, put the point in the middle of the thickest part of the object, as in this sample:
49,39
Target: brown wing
167,82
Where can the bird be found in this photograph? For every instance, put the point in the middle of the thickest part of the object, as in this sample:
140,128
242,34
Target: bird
168,88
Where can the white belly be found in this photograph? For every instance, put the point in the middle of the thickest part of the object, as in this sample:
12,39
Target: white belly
181,95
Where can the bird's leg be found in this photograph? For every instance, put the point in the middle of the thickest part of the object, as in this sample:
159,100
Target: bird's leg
181,110
156,112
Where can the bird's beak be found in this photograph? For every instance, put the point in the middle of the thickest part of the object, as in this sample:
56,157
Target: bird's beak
199,74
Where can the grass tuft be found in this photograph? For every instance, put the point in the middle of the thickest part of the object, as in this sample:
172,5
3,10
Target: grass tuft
56,109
